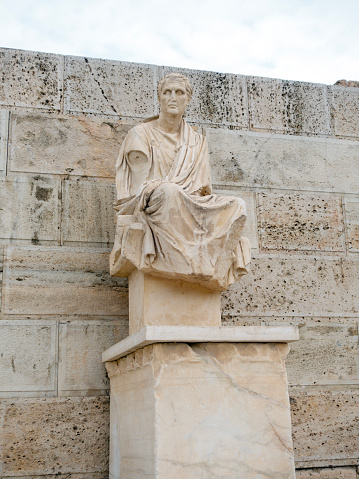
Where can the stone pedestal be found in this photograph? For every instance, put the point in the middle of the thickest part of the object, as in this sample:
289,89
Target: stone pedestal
199,408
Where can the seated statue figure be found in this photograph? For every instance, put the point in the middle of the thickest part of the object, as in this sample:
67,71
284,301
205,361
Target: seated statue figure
169,224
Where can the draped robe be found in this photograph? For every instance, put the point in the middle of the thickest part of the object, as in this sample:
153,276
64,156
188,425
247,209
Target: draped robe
187,232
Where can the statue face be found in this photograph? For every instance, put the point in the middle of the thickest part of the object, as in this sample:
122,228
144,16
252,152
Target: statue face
173,98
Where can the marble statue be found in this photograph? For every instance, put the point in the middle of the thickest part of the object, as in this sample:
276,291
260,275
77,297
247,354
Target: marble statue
169,223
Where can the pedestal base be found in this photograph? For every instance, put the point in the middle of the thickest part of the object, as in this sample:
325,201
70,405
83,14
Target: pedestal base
201,411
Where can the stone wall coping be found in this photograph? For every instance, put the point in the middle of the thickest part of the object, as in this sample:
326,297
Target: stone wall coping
205,334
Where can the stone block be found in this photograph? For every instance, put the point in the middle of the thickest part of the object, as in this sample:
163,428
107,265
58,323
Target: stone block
54,436
4,127
83,146
352,223
293,107
81,344
27,357
250,230
32,209
60,280
301,222
308,362
263,160
295,286
345,109
325,426
327,473
88,213
109,87
40,75
219,98
85,475
194,411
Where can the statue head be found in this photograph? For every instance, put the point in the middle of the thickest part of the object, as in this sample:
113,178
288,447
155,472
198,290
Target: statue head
175,77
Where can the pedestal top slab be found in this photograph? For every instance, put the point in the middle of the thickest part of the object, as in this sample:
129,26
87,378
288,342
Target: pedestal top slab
196,334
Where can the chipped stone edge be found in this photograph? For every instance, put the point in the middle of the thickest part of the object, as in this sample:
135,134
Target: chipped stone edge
206,334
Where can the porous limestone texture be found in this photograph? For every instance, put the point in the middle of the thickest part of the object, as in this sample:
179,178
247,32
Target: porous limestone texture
289,149
206,410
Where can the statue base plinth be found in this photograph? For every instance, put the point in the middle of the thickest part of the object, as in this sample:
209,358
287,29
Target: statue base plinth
201,402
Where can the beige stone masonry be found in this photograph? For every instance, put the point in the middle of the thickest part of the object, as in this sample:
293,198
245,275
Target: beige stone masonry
41,79
61,281
319,286
324,424
217,98
327,473
66,435
48,144
301,222
81,344
88,214
352,222
345,108
4,126
289,106
28,358
264,160
32,209
109,87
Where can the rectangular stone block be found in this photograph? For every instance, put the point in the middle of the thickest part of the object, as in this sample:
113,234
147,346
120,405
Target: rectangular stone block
327,473
81,344
325,426
27,357
352,223
195,411
327,353
294,107
250,229
85,475
263,160
345,110
59,280
4,127
109,87
295,286
41,79
54,435
31,209
301,222
219,98
88,213
44,143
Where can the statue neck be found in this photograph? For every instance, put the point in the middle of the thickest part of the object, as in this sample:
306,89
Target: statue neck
169,124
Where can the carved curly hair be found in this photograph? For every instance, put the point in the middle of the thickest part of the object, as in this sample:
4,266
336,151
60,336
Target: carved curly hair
175,77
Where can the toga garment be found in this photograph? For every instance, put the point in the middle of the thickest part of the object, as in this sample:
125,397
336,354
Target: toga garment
187,232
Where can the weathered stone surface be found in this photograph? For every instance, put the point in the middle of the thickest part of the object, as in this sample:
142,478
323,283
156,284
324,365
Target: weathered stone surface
327,473
185,411
345,106
250,229
294,107
352,223
54,435
248,159
109,87
32,209
27,357
30,79
4,126
308,362
295,286
217,97
59,280
85,475
43,143
324,425
88,213
301,222
81,344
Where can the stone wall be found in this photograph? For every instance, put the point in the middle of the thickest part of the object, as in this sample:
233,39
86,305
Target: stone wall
290,149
